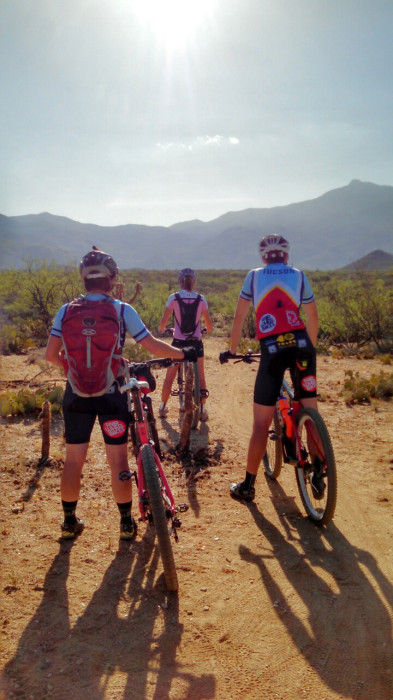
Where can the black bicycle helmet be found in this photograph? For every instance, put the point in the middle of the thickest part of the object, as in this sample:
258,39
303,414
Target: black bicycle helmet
96,263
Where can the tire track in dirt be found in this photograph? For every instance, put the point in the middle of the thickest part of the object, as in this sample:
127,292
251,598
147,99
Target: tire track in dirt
269,605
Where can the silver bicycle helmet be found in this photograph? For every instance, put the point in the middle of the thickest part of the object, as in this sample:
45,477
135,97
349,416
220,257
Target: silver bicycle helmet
96,263
186,272
274,243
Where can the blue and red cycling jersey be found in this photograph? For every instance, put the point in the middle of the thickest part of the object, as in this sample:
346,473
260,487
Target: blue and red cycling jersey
277,291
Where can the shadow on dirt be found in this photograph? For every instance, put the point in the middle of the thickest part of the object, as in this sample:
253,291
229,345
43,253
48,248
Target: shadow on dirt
123,645
348,602
195,462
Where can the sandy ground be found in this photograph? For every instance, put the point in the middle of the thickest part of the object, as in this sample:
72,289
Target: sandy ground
269,605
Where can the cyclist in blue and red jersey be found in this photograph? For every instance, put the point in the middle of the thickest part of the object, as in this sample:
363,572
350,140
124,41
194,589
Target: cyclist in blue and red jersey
188,308
277,291
98,271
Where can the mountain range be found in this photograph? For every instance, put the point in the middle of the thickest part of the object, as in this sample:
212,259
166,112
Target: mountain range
325,233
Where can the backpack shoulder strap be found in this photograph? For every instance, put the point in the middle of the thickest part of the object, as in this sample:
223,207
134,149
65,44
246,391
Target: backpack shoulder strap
122,325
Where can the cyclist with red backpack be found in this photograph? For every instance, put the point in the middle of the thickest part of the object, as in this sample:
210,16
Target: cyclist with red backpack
188,308
277,291
86,341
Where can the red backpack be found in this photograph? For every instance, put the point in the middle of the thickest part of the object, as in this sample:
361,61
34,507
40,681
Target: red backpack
93,336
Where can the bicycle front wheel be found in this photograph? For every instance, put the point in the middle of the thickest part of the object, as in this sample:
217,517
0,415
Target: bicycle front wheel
272,460
158,509
197,397
317,479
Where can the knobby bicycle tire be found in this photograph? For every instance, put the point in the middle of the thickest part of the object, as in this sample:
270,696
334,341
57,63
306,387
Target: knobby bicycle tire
197,397
181,376
158,511
272,460
315,437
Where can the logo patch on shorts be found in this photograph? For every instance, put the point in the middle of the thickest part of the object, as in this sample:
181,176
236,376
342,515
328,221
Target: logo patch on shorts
286,340
309,383
114,428
267,323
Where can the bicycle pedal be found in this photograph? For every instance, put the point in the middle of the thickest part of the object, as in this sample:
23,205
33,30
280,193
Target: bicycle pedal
182,507
176,522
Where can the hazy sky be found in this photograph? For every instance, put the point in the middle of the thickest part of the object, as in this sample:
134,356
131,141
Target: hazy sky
159,111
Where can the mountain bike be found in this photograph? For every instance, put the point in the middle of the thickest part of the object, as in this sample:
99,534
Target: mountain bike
190,387
188,392
156,502
298,435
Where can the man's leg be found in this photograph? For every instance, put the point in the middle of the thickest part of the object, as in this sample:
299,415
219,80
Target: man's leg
71,476
118,462
263,416
70,488
201,369
122,488
166,388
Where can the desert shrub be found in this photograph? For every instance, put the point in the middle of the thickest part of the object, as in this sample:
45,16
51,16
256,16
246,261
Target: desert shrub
134,352
30,298
359,389
14,402
14,339
356,309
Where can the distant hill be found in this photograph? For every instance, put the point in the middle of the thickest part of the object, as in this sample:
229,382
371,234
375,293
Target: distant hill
377,260
325,233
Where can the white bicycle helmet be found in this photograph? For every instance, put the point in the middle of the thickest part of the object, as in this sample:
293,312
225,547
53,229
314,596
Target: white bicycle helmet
96,263
274,243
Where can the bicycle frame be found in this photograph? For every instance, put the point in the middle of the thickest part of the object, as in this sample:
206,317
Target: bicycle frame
134,388
295,408
300,454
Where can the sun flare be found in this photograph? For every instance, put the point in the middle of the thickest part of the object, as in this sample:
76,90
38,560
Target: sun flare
174,22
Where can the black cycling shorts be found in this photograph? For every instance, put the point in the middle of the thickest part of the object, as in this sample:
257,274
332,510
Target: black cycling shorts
191,343
80,414
279,353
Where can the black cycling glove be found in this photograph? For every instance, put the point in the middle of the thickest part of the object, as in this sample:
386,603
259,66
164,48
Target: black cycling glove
225,356
190,354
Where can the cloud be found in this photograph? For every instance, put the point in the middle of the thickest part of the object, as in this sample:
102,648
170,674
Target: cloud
200,142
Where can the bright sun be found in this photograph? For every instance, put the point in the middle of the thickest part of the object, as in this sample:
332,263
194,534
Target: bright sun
174,22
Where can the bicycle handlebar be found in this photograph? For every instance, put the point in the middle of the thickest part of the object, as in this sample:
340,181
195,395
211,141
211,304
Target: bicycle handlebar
247,357
155,363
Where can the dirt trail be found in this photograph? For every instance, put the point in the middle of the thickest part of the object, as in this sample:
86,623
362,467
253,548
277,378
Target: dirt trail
269,606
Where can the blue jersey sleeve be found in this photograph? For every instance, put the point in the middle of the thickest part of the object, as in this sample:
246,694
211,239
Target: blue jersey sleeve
246,290
58,320
134,324
307,295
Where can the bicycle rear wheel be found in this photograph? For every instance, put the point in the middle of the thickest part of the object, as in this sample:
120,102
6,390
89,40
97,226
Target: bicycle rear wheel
197,397
317,480
158,508
272,460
